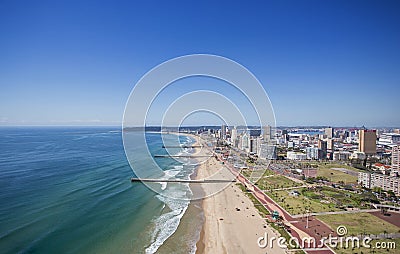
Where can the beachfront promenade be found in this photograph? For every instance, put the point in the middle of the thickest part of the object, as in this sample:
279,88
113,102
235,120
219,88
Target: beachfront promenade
299,229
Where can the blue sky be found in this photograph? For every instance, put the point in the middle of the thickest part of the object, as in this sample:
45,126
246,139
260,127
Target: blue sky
321,62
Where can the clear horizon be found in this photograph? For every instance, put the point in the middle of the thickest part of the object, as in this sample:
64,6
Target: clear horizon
204,125
322,63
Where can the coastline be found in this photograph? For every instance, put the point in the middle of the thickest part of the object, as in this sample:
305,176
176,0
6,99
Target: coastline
188,234
230,223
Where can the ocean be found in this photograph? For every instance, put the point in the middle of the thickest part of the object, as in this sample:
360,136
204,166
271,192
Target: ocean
68,190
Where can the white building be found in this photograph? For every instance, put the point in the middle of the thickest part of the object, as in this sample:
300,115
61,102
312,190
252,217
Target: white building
245,143
341,156
395,160
296,156
313,153
234,137
358,155
389,138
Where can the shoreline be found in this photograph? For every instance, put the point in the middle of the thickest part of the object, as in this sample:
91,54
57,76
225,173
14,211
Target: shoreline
230,222
188,234
200,245
200,241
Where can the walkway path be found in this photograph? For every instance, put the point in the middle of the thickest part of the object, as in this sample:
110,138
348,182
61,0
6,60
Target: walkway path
339,212
298,229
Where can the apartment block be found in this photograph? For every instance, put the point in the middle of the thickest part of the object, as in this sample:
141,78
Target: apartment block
387,183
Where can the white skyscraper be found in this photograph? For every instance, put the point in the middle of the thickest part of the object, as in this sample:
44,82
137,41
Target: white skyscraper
234,136
395,160
245,142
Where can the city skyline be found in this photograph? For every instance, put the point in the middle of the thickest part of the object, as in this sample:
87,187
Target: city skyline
331,63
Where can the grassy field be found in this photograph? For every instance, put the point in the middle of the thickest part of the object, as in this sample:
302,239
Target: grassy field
337,165
300,204
335,175
321,199
340,198
276,182
247,173
358,223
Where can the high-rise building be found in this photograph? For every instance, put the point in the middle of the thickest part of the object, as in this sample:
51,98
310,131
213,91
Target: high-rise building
245,143
253,145
367,142
329,132
330,144
322,145
267,134
234,137
395,160
223,131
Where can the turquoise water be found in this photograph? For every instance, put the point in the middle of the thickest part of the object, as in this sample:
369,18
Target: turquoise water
68,190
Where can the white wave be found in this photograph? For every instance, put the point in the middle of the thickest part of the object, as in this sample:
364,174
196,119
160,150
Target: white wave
167,223
170,173
177,199
163,185
173,172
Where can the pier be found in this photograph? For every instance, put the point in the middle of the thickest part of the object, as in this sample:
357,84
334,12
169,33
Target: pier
180,156
184,146
181,180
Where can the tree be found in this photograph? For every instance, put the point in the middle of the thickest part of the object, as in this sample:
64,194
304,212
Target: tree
391,194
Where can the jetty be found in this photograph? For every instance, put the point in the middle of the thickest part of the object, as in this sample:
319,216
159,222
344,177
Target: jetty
179,156
183,146
175,180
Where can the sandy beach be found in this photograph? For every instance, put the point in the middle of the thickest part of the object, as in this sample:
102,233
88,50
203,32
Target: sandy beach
232,223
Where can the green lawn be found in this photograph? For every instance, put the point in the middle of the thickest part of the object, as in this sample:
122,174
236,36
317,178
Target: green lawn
340,198
337,165
335,175
300,204
358,223
276,182
320,199
250,173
